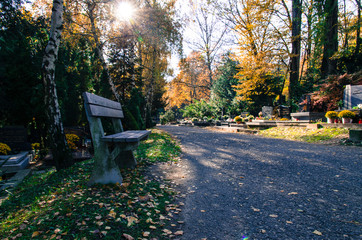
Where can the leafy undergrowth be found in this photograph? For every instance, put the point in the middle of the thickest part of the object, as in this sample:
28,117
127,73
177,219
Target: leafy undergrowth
60,205
321,135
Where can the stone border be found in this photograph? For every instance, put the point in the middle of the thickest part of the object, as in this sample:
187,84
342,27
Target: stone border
13,182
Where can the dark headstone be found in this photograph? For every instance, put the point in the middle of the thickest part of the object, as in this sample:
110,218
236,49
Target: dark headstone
16,137
352,96
284,111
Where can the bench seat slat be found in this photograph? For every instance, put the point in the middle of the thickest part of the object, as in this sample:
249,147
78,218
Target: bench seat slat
127,136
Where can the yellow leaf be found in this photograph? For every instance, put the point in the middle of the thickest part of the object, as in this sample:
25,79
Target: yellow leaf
153,227
179,233
123,216
131,220
112,214
316,232
292,193
35,234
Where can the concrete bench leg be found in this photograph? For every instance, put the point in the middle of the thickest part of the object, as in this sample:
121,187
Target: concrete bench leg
105,169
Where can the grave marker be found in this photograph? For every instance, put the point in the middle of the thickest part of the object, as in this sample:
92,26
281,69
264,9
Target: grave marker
267,111
352,96
16,137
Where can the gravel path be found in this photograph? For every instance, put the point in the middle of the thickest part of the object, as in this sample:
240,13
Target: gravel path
240,186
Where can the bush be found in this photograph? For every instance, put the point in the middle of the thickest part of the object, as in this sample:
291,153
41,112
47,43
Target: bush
238,119
4,149
168,116
72,141
346,114
331,114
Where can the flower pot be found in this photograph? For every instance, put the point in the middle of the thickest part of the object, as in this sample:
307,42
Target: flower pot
330,120
346,120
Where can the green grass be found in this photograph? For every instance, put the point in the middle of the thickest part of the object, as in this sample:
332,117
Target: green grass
60,205
321,135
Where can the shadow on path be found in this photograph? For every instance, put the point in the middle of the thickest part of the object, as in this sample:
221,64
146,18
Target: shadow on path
248,186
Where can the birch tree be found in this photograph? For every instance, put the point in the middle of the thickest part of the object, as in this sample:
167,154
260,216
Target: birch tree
58,144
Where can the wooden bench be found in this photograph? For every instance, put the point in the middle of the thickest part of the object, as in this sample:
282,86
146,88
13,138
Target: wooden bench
111,152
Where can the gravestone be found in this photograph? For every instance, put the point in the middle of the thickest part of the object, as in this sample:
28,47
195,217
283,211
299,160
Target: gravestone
352,96
267,111
16,137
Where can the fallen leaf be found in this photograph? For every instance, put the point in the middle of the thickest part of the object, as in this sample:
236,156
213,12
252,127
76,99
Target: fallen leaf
263,231
202,211
153,227
22,226
98,217
99,223
131,220
35,234
179,233
112,214
290,222
255,209
128,237
146,234
316,232
57,230
292,193
104,233
273,215
168,232
107,228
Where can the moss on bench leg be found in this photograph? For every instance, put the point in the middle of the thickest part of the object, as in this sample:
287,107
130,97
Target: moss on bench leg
105,171
126,159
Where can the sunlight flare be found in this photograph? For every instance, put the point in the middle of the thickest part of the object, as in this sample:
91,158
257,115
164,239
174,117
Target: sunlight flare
125,11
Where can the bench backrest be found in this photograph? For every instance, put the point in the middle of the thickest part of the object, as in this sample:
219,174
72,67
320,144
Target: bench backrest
97,106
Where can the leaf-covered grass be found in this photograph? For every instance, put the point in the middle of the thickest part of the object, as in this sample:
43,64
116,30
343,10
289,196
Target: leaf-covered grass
60,205
321,135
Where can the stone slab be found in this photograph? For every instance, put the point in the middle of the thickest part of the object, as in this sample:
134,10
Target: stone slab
13,159
16,179
352,96
18,166
355,135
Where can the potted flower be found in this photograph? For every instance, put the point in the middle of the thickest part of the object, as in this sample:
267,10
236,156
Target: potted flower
238,119
4,149
346,116
331,115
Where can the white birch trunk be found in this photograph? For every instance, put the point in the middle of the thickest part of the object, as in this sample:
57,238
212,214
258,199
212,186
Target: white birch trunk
58,144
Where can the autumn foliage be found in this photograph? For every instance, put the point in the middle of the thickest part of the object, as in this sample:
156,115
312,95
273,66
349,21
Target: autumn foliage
191,84
330,92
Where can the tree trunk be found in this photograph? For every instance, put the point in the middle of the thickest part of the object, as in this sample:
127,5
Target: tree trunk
358,33
58,144
331,38
295,56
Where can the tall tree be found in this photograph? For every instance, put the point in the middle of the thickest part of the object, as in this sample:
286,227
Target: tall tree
296,41
330,47
210,32
61,153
